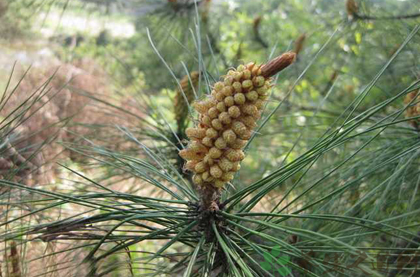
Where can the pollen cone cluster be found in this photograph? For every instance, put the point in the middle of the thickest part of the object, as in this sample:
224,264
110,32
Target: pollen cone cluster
180,105
227,119
414,110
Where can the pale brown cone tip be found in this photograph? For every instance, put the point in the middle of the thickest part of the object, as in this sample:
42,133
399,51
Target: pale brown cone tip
278,64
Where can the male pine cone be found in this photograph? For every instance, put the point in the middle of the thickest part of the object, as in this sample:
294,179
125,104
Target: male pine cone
180,105
227,118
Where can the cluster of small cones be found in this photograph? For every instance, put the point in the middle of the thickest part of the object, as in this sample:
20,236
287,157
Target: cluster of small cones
183,95
227,119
